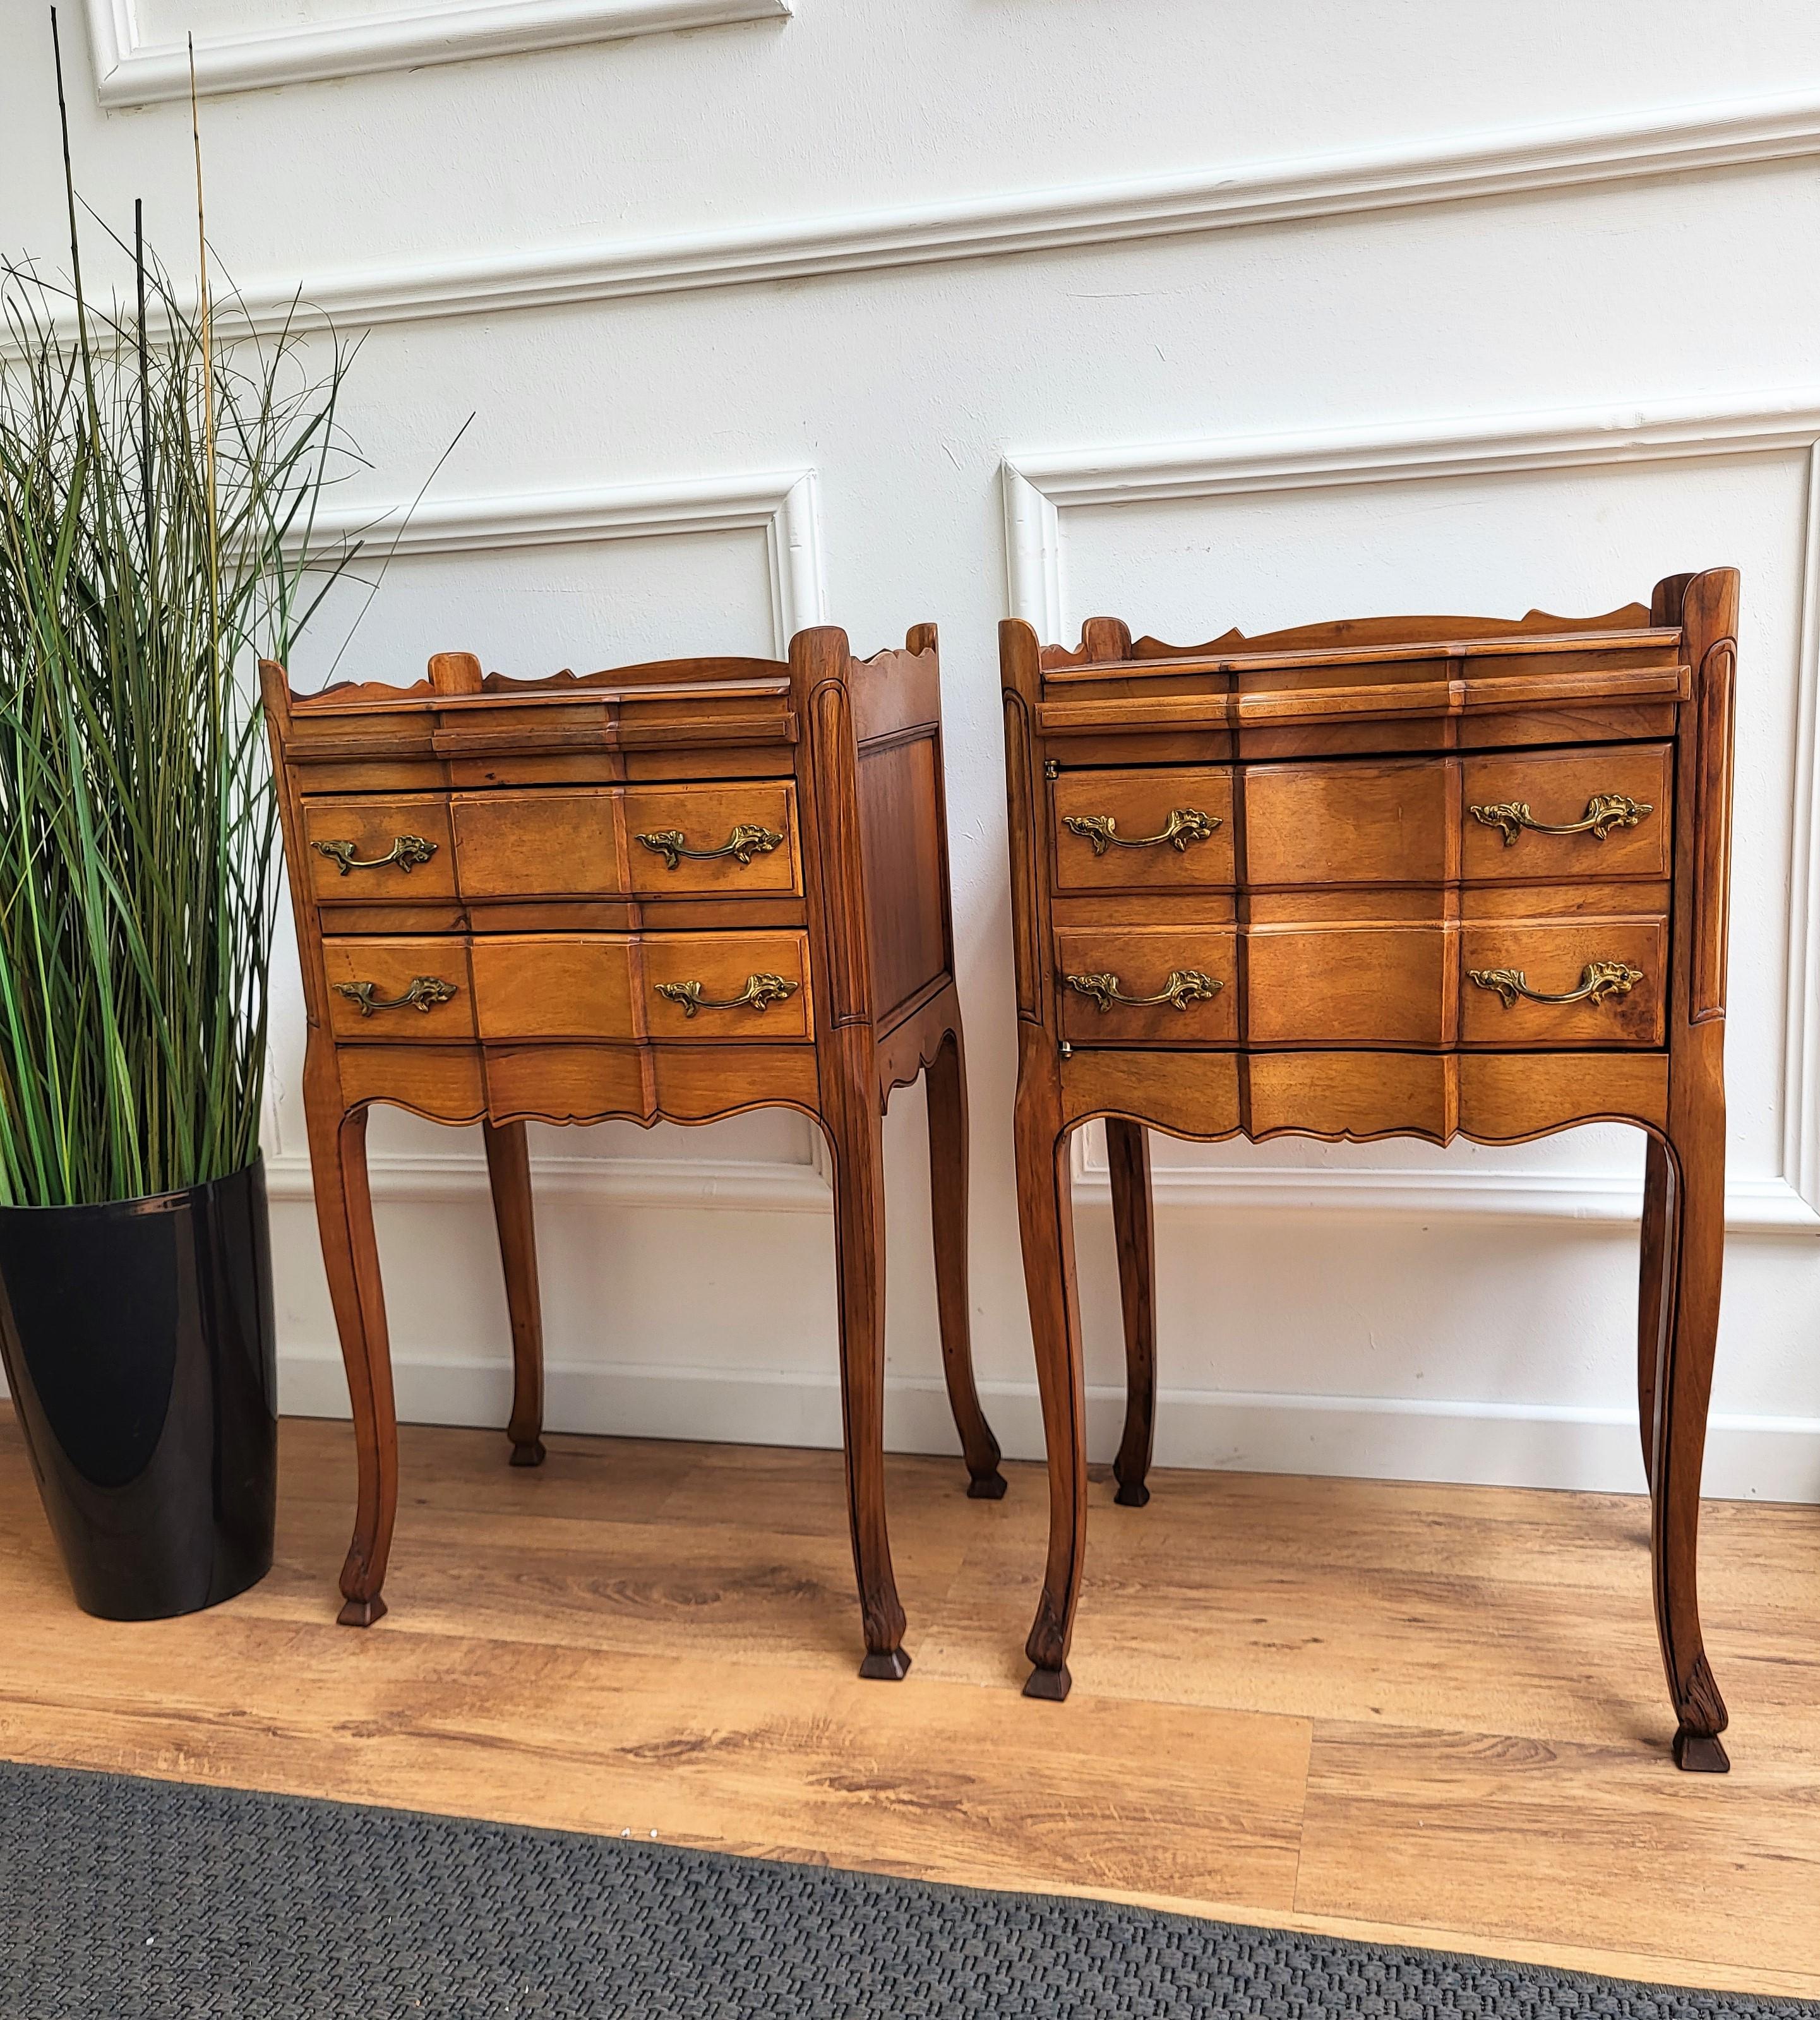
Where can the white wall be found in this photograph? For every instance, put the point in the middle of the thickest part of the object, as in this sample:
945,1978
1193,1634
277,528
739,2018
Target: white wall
856,312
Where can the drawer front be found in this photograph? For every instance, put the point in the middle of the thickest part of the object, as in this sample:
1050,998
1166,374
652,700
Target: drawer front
1349,985
1611,977
399,991
1348,822
1542,817
722,842
538,843
1148,985
614,988
1144,831
363,849
752,987
553,843
556,985
1557,815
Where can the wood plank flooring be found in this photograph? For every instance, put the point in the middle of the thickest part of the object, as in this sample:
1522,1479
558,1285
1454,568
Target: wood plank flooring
1425,1714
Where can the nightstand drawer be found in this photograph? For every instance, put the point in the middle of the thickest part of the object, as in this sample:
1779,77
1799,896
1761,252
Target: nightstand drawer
1540,817
548,842
617,988
361,848
1367,985
1568,814
710,986
1148,985
1564,986
1168,829
555,842
1350,822
392,991
723,841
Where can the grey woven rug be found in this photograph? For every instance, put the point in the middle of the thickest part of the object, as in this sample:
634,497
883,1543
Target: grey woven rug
122,1899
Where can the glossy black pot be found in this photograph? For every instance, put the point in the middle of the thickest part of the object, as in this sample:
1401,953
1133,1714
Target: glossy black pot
138,1343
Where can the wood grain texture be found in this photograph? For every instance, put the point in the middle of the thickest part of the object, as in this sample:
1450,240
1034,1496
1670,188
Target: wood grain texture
558,1657
1128,1150
673,892
1414,942
509,1177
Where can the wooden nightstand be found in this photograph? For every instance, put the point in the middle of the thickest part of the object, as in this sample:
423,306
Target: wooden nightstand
671,891
1427,877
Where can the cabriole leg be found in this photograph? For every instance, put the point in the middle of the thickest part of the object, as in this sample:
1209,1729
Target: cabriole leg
509,1172
1127,1148
350,1253
1045,1214
1649,1301
946,1088
859,1256
1694,1244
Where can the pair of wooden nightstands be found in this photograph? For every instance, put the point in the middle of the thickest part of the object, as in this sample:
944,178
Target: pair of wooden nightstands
1427,877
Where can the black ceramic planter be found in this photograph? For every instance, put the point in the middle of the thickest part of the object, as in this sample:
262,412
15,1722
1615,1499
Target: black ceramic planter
138,1344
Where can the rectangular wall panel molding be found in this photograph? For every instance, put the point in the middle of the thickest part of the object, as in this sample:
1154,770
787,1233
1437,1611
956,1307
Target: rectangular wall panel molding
782,507
132,68
1039,488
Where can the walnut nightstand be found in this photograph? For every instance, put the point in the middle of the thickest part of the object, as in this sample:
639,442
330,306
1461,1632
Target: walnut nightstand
671,891
1425,877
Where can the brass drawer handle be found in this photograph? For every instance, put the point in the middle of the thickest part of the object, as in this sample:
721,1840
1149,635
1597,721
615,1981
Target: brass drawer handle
1185,985
1185,824
425,992
746,841
1599,981
407,850
1604,811
760,992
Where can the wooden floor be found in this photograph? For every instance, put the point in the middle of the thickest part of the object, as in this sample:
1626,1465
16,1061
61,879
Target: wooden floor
1429,1714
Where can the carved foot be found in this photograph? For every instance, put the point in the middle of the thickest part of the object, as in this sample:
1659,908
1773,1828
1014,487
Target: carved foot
531,1455
987,1486
1054,1684
1132,1494
1700,1753
361,1612
890,1667
1702,1719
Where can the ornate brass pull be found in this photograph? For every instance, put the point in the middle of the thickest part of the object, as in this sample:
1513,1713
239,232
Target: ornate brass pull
1599,981
746,841
1185,824
425,993
1185,985
407,850
1604,811
760,992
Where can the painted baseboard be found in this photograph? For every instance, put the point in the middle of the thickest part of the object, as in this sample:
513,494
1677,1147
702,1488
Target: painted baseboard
1493,1444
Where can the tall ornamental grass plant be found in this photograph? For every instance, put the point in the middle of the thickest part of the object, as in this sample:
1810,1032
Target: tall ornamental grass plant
158,493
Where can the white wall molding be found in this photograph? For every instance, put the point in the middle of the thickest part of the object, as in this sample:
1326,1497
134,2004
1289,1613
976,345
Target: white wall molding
1225,196
1486,1444
1753,1205
782,506
131,70
1040,487
438,1177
